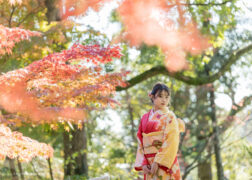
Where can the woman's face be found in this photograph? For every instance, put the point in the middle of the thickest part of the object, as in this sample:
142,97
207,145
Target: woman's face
161,99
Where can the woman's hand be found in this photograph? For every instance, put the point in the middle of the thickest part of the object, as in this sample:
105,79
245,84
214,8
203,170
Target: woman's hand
146,169
154,168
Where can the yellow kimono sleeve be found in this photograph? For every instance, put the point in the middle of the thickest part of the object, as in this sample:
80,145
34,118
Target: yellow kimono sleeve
181,125
167,153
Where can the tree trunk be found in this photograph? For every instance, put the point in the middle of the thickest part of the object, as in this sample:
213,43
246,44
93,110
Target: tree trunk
67,154
20,169
204,168
79,145
12,169
130,111
216,143
75,152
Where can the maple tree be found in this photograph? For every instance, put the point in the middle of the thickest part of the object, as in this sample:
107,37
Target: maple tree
60,86
14,144
57,88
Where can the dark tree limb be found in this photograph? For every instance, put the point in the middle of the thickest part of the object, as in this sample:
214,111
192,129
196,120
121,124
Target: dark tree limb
199,80
11,15
245,102
207,4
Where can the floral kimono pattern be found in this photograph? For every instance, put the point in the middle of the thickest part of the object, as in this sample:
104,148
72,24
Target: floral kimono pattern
158,141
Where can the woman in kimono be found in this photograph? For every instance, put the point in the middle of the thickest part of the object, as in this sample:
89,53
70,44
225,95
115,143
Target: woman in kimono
158,139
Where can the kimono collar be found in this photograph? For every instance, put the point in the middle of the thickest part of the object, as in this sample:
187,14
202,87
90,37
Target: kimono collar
161,111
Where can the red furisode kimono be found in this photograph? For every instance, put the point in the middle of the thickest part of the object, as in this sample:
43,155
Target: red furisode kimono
158,141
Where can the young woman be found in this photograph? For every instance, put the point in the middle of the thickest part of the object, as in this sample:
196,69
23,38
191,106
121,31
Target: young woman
158,139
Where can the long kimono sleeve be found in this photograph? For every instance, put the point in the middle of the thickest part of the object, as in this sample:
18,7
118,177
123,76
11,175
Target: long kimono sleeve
170,143
181,125
140,158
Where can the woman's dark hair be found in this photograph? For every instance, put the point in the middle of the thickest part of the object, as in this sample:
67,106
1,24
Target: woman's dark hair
158,88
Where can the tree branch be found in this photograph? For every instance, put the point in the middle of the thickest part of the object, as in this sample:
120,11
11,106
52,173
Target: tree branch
199,80
12,12
207,4
200,4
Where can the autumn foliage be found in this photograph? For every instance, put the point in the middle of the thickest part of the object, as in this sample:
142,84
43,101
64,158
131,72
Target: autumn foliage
15,145
61,86
154,23
10,36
